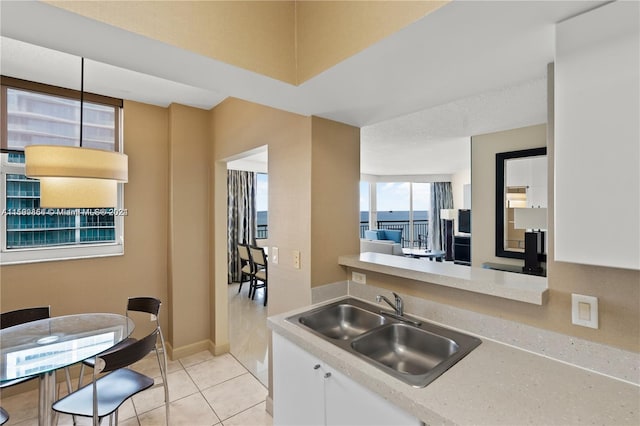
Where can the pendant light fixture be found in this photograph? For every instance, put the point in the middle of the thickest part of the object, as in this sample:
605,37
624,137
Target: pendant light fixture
76,177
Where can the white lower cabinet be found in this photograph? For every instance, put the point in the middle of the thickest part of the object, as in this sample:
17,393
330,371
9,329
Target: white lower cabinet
307,391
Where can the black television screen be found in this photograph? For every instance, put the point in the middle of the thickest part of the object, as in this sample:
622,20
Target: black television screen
464,221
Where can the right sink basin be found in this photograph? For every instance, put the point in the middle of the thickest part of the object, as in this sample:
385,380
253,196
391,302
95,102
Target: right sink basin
405,348
415,355
414,352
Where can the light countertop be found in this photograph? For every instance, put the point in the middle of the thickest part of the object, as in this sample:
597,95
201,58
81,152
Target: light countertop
508,285
495,384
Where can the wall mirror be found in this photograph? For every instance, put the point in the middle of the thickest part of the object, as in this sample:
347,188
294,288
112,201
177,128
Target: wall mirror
521,181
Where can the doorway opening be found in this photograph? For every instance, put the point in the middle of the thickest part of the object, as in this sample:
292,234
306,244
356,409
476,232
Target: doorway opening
247,204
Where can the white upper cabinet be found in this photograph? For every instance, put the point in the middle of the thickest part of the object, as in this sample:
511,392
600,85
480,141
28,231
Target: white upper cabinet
597,137
530,173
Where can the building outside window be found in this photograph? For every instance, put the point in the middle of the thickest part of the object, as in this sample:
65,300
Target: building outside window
37,115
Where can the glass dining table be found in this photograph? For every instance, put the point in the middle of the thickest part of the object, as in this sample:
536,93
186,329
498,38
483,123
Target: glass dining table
39,348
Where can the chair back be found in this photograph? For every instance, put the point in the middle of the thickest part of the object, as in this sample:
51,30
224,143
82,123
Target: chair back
243,252
258,256
150,305
21,316
127,355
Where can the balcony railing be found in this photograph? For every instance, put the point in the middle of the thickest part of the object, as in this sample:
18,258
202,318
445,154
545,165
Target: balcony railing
262,232
420,230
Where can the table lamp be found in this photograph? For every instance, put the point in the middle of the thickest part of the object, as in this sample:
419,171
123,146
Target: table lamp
534,220
448,215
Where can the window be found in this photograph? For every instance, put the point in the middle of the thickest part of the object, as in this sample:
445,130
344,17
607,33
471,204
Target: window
262,206
400,206
46,115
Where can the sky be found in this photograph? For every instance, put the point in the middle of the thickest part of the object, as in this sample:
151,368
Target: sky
262,192
394,196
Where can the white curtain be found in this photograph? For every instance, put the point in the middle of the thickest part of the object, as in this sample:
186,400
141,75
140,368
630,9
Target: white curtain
242,216
441,198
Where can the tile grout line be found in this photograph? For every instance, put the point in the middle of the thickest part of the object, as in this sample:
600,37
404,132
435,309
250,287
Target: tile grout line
200,391
249,371
240,412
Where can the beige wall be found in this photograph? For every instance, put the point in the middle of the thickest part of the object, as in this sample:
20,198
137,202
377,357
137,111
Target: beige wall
290,41
330,31
313,169
335,192
166,235
188,251
258,36
239,126
103,284
458,181
483,176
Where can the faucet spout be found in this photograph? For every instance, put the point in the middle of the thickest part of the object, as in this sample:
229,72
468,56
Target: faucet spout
380,298
398,307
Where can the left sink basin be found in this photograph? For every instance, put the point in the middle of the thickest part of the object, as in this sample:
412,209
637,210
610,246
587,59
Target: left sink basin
342,321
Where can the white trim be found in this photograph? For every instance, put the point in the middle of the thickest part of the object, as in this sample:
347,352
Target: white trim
49,254
405,178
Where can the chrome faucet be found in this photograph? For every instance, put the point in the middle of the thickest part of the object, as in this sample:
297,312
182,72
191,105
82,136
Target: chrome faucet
398,306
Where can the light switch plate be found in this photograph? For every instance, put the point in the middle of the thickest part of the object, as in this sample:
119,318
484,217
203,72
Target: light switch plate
274,255
584,310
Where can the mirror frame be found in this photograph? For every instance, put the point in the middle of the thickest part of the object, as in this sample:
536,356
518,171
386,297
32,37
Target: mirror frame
501,157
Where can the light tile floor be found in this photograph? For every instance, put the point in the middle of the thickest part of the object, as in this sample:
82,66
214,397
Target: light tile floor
248,333
204,391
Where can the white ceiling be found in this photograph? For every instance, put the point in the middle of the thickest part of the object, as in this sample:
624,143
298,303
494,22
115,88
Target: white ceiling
470,67
256,160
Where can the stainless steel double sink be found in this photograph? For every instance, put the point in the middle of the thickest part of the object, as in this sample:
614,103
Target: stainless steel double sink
412,351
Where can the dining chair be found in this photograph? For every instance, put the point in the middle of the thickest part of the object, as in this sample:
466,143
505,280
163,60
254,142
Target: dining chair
149,305
104,395
246,266
21,316
4,416
260,271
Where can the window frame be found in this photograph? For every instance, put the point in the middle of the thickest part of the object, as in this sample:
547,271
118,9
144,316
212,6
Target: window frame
63,252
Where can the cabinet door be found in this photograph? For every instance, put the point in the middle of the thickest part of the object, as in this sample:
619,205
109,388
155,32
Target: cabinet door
597,178
298,393
350,403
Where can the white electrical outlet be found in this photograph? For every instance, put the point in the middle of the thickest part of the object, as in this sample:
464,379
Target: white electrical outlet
584,310
357,277
296,259
153,317
274,255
